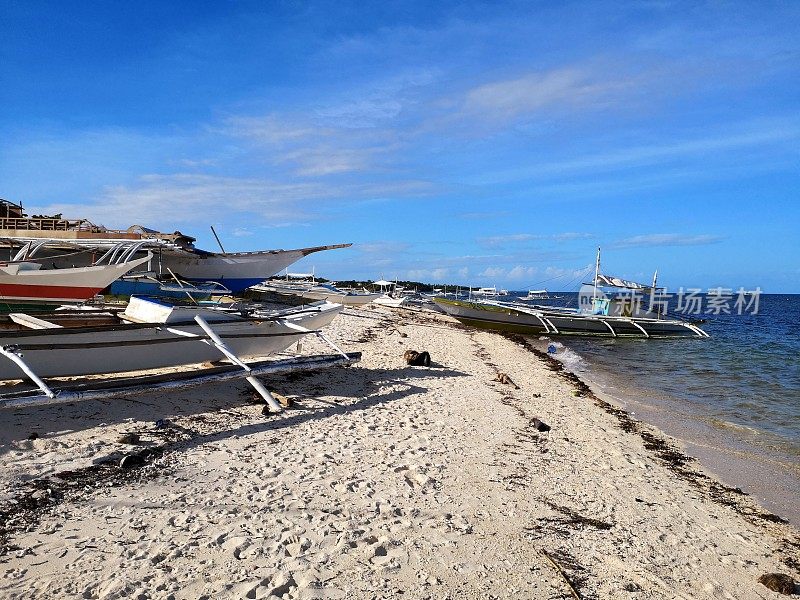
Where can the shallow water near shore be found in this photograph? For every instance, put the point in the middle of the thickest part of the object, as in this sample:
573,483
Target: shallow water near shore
733,399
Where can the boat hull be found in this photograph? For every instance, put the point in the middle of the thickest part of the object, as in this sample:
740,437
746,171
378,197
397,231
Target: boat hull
319,294
82,351
237,271
561,322
59,285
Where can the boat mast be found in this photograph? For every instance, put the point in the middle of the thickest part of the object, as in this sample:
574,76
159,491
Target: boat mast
596,273
653,293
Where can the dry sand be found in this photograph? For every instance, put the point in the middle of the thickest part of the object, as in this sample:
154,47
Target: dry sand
382,481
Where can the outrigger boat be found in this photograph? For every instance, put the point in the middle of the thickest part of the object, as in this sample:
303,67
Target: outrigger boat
389,294
149,334
513,317
67,242
618,316
29,282
540,295
317,291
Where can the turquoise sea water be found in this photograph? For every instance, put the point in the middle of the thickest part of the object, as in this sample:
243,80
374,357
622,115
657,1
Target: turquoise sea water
733,399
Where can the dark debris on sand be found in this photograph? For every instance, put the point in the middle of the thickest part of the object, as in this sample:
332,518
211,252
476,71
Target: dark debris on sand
40,497
673,458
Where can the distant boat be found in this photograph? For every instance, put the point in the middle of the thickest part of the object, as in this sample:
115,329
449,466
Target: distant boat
317,291
540,295
488,292
389,295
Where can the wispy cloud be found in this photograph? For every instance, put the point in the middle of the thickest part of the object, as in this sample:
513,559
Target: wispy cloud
484,215
382,247
180,199
505,100
737,137
667,239
511,238
527,274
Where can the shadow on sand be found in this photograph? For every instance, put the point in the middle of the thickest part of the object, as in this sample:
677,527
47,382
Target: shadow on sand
51,422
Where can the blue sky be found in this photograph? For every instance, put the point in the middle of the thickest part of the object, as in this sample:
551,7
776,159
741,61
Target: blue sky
483,143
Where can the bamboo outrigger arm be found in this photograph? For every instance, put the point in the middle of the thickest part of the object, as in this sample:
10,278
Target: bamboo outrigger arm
11,353
144,384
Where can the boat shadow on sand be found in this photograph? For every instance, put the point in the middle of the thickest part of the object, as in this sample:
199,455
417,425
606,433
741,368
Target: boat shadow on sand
52,424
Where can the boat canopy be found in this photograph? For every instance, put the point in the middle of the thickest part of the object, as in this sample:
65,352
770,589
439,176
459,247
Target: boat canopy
610,281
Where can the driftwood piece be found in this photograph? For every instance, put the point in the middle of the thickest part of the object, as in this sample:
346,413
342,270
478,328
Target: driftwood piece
563,575
504,378
284,401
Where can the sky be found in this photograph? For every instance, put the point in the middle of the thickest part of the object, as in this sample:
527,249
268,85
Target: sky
496,143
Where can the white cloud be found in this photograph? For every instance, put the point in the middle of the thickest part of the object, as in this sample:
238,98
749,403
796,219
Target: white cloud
168,201
567,274
519,272
499,240
428,275
667,239
736,138
382,247
492,272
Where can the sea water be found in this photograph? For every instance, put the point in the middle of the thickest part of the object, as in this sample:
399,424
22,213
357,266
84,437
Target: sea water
732,399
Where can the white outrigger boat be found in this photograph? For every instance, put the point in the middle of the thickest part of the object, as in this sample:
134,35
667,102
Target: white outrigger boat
312,290
618,316
389,294
76,242
540,320
29,282
540,295
149,334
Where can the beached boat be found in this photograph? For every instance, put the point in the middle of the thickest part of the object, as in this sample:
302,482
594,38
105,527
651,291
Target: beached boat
616,315
511,317
389,300
66,243
317,291
237,271
149,334
389,294
29,282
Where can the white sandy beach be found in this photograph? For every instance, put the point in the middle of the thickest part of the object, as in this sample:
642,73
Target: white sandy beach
381,481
